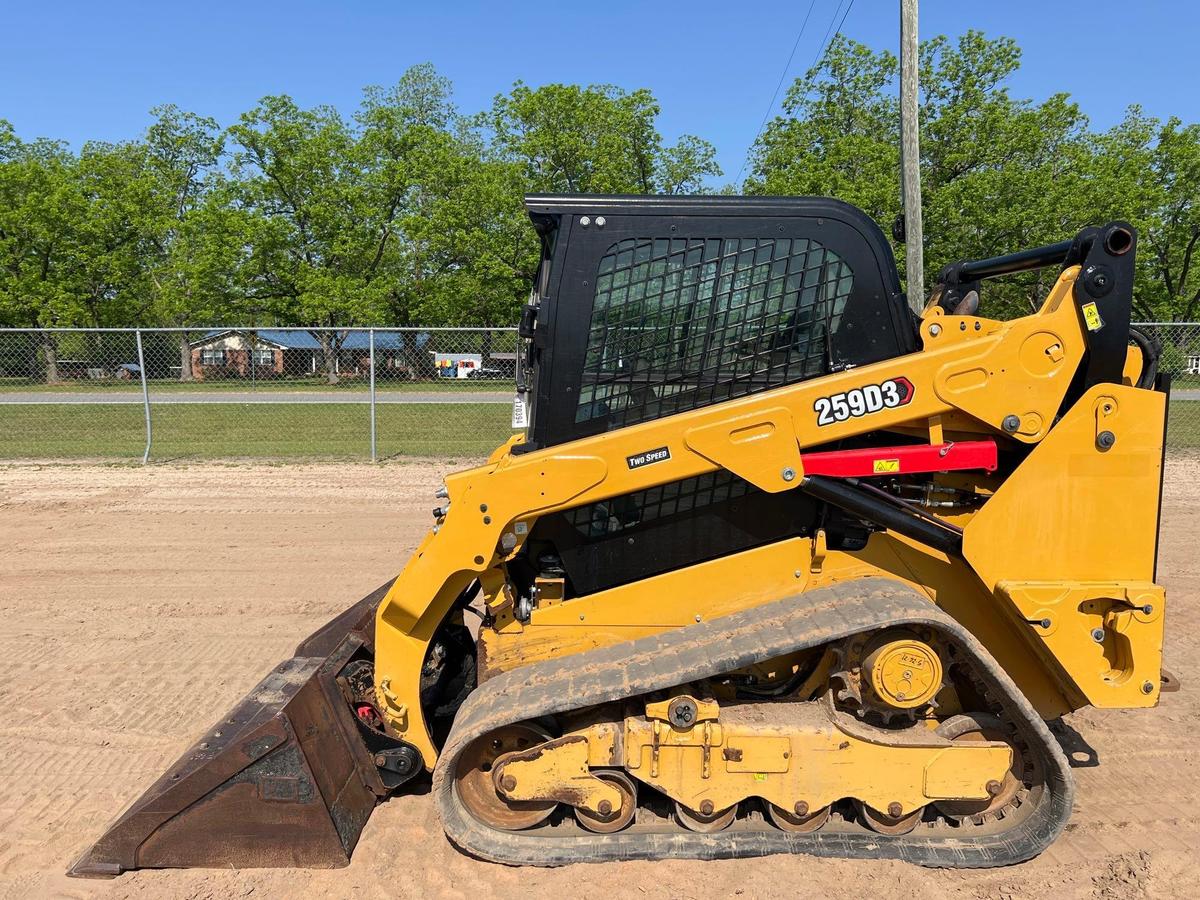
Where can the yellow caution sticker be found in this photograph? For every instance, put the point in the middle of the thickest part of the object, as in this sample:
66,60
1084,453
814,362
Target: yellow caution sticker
760,776
881,466
1091,317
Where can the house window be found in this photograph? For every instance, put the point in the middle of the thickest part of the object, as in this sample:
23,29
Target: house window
212,357
264,359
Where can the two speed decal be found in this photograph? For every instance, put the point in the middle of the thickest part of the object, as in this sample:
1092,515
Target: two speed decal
862,401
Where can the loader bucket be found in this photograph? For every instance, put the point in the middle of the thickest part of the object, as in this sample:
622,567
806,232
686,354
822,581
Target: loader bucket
285,779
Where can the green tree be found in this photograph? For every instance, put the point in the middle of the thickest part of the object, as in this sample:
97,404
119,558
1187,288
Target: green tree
998,173
39,205
323,219
598,139
196,234
1148,171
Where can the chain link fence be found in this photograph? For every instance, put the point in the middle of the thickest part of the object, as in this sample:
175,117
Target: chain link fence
169,393
1180,356
365,393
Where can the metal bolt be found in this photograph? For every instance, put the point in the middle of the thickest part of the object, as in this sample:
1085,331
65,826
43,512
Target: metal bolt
585,221
993,788
789,474
380,759
442,493
604,807
697,617
204,745
478,560
1098,635
1045,623
935,329
706,808
487,520
1147,609
798,574
801,808
508,782
600,221
1011,423
483,507
962,326
1105,440
895,809
1147,687
978,326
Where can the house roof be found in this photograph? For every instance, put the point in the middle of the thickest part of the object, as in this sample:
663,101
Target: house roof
288,339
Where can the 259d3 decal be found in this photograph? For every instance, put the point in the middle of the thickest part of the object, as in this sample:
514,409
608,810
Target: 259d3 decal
862,401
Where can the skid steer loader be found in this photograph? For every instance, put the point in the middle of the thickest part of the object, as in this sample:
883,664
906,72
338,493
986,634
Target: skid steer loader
772,566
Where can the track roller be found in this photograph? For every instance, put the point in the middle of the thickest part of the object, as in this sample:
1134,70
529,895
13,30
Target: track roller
884,823
618,818
704,823
799,820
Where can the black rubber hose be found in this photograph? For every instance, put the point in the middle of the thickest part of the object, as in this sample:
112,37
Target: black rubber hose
1151,350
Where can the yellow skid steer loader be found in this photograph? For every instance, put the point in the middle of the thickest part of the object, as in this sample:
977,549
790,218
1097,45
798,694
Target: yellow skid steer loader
772,565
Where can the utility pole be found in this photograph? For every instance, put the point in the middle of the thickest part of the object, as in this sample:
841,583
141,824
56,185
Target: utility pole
910,156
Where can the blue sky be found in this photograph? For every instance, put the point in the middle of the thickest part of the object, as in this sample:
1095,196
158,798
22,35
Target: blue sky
79,70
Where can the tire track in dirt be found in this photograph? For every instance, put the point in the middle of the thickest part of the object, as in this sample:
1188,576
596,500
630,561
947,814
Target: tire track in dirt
138,605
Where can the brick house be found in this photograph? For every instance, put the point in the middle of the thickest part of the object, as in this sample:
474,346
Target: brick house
278,352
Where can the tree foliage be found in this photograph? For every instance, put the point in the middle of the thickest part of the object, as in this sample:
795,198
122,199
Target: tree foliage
998,173
405,211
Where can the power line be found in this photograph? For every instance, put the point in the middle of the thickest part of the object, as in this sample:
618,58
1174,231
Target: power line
778,85
825,40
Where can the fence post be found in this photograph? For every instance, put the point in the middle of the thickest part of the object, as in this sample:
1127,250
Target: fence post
371,346
145,396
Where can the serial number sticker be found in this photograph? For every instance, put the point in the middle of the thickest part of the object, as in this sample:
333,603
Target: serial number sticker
520,412
880,466
862,401
1091,317
648,457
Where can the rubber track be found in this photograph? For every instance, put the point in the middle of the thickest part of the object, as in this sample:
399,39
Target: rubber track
701,651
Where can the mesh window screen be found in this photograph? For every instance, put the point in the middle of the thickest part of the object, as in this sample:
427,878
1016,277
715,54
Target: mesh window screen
678,324
615,515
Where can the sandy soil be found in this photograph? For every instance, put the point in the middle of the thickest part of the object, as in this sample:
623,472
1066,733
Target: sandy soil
136,605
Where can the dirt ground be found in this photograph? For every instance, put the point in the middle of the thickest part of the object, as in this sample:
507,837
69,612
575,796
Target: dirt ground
137,605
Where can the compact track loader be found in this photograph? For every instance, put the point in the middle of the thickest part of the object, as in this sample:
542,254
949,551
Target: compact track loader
773,566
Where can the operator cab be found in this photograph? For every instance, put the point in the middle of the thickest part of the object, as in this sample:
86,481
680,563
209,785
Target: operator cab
649,306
